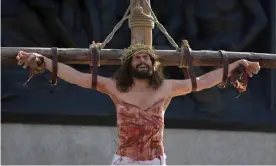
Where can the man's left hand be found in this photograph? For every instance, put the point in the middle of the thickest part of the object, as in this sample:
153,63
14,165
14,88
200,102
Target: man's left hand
250,67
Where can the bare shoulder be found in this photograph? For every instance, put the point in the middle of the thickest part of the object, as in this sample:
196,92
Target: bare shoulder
106,85
166,88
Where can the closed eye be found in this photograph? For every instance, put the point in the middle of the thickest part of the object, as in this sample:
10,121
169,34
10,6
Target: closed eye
146,57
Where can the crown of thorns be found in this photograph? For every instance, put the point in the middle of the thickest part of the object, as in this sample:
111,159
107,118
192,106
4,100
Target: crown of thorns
137,48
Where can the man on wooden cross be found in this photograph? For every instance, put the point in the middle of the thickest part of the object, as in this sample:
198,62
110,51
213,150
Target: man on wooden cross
141,95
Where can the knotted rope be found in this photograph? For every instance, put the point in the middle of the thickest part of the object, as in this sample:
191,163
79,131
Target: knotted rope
183,60
137,18
163,29
115,29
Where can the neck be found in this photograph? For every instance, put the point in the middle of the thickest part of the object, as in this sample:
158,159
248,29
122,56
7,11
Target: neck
141,84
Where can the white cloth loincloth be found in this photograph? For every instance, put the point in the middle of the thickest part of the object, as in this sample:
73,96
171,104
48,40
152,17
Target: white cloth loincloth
118,160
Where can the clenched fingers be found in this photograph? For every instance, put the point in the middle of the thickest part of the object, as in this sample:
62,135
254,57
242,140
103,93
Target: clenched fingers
27,62
19,58
23,58
20,62
244,63
23,55
255,67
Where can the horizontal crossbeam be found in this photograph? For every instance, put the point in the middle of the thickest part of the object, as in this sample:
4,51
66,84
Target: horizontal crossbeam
112,56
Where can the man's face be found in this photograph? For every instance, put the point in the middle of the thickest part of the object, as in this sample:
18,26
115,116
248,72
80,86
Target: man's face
141,66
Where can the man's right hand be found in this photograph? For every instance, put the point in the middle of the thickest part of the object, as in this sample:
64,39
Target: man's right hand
33,61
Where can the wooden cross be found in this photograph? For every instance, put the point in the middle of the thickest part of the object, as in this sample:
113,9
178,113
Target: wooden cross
140,34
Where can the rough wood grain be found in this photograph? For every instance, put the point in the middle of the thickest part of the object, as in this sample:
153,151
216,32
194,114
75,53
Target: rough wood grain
141,34
112,56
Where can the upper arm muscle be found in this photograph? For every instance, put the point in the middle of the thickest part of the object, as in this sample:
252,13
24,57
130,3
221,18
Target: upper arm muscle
104,84
181,87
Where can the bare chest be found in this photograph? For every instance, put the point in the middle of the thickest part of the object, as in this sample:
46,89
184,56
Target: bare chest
142,100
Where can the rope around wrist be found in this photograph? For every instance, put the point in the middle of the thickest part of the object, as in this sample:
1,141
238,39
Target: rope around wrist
239,79
41,67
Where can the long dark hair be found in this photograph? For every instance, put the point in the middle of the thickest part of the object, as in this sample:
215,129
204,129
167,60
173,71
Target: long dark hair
124,79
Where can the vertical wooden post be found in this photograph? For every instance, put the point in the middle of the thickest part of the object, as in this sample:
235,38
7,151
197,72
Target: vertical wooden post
141,35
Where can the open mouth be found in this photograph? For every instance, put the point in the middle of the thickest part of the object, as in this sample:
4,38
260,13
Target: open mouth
143,68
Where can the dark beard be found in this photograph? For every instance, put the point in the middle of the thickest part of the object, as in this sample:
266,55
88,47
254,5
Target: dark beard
141,74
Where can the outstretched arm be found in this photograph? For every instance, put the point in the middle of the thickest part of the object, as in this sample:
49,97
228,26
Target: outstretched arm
210,79
65,72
